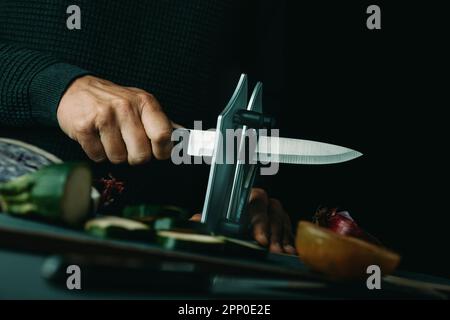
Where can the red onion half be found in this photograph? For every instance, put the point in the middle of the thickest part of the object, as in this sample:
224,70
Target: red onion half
341,222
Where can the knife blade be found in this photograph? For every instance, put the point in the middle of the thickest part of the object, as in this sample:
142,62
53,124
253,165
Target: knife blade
277,149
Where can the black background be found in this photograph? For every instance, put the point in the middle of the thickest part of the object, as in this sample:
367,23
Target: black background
381,92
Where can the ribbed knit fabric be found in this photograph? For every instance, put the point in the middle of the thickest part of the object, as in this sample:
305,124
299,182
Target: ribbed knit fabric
169,48
182,51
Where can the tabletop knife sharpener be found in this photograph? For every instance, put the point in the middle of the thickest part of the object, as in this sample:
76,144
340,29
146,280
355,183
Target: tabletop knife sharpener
229,185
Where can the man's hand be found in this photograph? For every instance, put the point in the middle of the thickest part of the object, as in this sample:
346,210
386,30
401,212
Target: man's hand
114,122
271,224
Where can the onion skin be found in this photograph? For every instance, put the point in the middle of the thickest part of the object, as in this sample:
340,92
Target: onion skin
342,223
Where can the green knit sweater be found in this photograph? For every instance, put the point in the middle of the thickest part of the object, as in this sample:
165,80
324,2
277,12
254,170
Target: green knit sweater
188,53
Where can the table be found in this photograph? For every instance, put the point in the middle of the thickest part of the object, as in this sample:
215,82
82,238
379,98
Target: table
133,270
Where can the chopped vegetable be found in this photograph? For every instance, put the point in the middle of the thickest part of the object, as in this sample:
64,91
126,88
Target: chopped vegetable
59,192
149,213
190,242
179,225
217,245
118,228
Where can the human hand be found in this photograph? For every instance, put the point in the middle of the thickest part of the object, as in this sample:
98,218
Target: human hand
121,124
271,225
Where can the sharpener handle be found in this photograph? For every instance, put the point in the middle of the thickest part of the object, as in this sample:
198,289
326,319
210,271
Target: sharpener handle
253,119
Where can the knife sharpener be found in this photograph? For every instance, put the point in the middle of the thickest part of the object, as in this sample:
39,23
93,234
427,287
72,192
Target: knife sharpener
229,185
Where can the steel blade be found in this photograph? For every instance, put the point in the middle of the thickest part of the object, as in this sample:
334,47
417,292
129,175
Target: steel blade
275,149
298,151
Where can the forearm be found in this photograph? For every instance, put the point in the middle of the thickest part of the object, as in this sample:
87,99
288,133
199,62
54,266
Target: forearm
31,85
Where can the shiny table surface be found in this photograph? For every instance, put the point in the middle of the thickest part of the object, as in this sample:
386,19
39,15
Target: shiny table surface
25,247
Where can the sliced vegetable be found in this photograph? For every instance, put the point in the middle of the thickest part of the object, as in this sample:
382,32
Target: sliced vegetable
340,256
118,228
217,245
59,192
149,213
173,224
190,242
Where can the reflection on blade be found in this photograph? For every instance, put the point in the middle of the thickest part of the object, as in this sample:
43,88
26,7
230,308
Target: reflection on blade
275,149
297,151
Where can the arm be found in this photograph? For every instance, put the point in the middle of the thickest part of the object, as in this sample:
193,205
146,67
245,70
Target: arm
109,121
31,85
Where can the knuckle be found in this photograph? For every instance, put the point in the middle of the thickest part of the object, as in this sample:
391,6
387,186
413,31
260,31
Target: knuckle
162,137
91,80
122,105
83,92
83,127
151,102
104,116
145,96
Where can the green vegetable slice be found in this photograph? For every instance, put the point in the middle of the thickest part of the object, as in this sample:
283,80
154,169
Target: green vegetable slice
186,226
118,228
59,192
190,242
148,213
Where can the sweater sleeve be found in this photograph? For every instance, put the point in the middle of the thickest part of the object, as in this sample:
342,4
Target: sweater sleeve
31,85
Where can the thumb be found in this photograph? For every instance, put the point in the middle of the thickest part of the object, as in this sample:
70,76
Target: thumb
176,125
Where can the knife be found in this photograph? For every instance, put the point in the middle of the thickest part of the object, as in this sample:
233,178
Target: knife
276,149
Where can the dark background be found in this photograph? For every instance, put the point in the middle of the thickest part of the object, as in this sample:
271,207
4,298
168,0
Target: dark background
381,92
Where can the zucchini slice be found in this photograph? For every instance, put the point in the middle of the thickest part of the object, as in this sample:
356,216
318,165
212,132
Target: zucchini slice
147,213
118,228
202,243
59,192
185,226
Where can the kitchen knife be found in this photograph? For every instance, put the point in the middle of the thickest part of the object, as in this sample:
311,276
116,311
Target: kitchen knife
276,149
